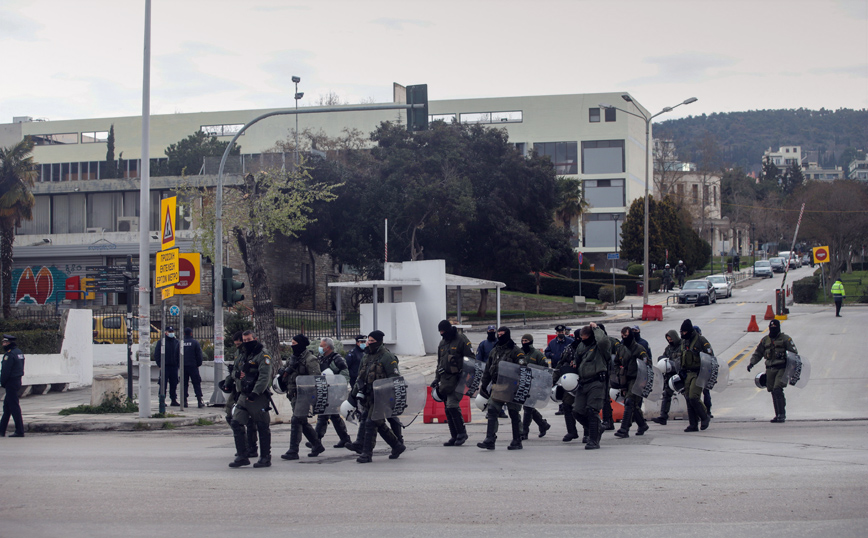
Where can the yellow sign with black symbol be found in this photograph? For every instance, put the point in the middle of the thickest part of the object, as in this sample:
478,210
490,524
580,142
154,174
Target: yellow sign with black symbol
168,207
168,271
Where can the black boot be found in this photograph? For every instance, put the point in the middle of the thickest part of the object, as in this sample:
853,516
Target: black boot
199,402
706,398
397,428
252,450
691,417
392,440
515,419
453,432
357,446
322,425
239,437
525,423
704,419
458,418
780,406
264,461
294,440
639,418
490,433
664,408
624,431
560,410
313,439
570,421
595,431
541,423
341,430
368,443
608,420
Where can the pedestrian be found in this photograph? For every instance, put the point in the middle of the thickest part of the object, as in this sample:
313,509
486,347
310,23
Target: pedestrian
680,273
173,362
532,356
504,351
11,372
692,344
228,387
485,347
773,348
637,336
555,350
838,294
673,353
667,278
736,262
355,356
330,360
614,344
302,362
592,364
451,350
192,362
381,364
630,354
252,376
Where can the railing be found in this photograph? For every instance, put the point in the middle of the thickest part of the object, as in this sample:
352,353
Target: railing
315,323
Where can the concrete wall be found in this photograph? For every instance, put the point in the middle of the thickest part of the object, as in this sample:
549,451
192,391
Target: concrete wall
74,363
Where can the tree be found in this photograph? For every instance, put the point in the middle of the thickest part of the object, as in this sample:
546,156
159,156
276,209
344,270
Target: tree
268,203
792,178
110,168
668,170
665,232
571,203
187,156
16,204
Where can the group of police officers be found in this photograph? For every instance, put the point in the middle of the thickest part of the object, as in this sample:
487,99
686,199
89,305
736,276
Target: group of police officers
587,372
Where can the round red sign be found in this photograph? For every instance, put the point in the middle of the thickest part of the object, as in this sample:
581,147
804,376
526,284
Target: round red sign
821,254
186,272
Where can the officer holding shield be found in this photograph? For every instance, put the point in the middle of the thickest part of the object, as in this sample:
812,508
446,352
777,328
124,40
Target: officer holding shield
332,361
453,347
252,376
507,351
302,362
773,348
673,353
592,364
532,356
381,364
630,352
567,365
692,344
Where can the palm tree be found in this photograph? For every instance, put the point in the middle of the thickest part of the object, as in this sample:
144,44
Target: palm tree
16,204
571,202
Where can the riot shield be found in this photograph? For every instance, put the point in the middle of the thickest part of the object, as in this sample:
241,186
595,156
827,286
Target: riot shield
649,382
398,396
470,377
319,395
798,370
713,373
529,386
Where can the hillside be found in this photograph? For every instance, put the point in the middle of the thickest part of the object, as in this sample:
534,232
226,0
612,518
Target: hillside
742,137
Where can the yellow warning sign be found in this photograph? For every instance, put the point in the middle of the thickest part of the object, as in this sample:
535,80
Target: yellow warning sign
167,268
168,206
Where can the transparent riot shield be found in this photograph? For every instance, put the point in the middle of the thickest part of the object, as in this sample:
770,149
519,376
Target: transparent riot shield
400,396
713,373
649,382
529,386
470,377
798,370
319,395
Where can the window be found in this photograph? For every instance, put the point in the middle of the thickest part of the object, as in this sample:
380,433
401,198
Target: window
514,116
603,157
601,229
94,137
604,192
695,197
55,139
476,117
447,118
222,130
705,199
594,115
610,114
522,148
564,155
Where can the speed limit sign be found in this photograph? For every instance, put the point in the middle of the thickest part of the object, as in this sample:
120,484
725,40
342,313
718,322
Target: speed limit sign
821,254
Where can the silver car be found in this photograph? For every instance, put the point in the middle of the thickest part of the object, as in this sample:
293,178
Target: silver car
722,285
762,268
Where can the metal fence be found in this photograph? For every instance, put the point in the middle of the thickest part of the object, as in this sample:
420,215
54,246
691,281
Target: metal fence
316,324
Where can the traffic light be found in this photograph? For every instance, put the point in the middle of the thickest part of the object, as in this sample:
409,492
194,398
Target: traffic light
230,296
417,118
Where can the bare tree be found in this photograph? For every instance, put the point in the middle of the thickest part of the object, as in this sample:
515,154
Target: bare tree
668,171
330,99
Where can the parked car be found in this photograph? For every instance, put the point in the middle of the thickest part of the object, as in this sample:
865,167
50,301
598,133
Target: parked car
806,259
698,292
795,262
778,264
762,268
722,285
112,329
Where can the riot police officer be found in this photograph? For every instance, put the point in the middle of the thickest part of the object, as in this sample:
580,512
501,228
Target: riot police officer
381,364
252,377
773,348
627,359
507,351
451,350
592,361
532,356
302,362
330,360
673,353
11,373
692,344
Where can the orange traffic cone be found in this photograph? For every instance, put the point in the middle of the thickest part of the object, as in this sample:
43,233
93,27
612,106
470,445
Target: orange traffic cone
770,314
752,327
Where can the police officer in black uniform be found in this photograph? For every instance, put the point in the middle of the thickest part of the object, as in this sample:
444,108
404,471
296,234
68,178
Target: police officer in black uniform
173,361
192,362
10,379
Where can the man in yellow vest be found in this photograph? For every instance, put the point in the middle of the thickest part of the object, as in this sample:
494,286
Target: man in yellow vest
838,294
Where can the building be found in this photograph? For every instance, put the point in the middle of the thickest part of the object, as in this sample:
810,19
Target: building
858,169
814,172
83,219
785,156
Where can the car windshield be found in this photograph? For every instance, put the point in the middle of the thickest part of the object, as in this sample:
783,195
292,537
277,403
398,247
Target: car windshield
777,260
762,264
693,285
717,280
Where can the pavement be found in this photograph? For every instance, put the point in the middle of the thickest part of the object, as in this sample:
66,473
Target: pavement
41,412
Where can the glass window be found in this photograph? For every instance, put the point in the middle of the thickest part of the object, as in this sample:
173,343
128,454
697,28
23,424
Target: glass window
506,117
603,157
601,229
564,155
610,114
94,137
55,139
447,118
222,130
594,115
476,117
604,192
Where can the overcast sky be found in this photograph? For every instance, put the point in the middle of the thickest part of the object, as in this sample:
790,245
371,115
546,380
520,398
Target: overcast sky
66,59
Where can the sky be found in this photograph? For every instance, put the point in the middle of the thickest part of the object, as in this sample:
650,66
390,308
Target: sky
77,59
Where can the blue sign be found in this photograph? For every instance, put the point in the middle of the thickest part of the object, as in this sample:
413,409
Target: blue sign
612,256
174,310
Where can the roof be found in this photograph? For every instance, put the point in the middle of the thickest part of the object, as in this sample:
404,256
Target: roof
452,281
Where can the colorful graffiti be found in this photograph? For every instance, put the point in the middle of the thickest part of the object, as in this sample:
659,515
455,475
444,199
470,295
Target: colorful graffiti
38,285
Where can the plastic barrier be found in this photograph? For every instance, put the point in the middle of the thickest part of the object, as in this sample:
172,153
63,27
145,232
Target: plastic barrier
617,411
652,312
437,410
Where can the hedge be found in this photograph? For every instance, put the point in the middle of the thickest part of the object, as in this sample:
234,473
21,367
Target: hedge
34,336
605,293
805,289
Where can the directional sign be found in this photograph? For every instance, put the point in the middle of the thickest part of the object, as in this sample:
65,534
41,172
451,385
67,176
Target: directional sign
167,268
612,256
821,254
190,278
167,222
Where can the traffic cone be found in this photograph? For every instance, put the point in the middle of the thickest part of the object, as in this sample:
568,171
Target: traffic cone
752,327
770,314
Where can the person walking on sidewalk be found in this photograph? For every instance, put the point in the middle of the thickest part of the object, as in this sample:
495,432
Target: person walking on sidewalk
838,294
11,373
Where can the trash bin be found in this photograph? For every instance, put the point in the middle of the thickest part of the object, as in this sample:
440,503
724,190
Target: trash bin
729,267
640,289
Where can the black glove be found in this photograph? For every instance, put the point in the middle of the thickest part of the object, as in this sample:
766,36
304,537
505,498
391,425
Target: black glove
435,384
352,399
749,366
251,396
682,374
484,393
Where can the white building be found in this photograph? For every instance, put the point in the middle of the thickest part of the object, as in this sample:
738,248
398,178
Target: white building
784,156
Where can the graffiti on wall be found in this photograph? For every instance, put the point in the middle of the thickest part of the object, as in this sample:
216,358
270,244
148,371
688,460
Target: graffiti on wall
38,285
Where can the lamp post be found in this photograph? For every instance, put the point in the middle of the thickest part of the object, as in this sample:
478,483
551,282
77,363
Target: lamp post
298,95
648,157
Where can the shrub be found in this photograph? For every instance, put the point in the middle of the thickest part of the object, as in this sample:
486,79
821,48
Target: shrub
605,293
805,290
112,404
635,269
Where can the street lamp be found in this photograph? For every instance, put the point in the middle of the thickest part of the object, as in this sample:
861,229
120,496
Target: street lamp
648,157
298,95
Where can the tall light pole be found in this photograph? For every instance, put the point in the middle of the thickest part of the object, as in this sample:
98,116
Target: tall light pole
648,157
298,95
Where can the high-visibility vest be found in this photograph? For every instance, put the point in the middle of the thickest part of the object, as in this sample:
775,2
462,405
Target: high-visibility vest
838,289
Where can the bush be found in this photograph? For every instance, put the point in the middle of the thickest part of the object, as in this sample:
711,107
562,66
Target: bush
805,290
293,294
605,293
234,321
112,404
635,269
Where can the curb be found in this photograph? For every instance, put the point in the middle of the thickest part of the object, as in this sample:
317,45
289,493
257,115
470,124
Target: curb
125,424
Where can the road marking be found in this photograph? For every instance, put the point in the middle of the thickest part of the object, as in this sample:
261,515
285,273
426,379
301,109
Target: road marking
741,304
738,358
712,320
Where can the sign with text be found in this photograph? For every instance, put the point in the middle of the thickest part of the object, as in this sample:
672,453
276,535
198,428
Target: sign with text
167,268
168,206
190,274
612,256
168,292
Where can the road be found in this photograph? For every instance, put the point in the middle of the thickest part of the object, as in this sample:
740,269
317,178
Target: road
742,476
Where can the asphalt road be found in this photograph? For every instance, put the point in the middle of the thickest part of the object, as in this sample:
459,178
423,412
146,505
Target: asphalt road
742,476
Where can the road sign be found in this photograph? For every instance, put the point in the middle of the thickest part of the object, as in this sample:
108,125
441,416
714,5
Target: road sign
821,254
612,256
580,258
167,268
190,277
167,222
174,310
169,291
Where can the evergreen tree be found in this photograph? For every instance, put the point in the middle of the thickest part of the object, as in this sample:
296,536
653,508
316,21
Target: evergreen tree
110,167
